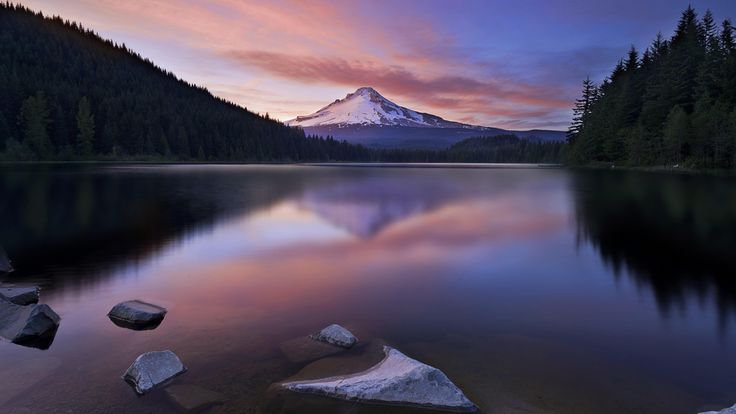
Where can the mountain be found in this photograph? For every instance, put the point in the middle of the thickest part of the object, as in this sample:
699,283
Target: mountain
366,106
68,94
367,117
54,72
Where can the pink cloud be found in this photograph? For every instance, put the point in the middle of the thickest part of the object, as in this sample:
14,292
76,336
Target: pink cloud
460,94
291,44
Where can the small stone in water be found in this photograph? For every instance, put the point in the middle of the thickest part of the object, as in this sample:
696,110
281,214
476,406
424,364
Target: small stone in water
336,335
32,325
136,314
153,369
20,295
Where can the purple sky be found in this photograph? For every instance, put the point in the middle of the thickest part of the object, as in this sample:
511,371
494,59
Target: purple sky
510,64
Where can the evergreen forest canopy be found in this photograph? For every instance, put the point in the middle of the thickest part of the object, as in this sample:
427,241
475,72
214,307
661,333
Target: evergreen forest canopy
673,105
70,95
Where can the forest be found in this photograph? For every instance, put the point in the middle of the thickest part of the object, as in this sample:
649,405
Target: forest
69,95
672,105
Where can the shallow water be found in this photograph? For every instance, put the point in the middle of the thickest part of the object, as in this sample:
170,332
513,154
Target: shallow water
534,290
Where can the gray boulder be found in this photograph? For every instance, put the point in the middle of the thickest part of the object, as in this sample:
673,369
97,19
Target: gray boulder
335,335
193,398
136,314
153,369
32,325
5,266
730,410
397,380
20,295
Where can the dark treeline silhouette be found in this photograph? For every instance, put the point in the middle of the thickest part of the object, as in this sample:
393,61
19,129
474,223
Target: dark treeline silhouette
68,94
674,104
499,148
505,148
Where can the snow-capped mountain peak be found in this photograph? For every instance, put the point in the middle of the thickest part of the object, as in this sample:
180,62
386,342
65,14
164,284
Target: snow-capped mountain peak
366,107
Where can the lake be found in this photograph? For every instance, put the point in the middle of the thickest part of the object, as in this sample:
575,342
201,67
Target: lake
535,290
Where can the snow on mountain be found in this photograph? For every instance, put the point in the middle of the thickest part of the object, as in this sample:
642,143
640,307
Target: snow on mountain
367,107
365,117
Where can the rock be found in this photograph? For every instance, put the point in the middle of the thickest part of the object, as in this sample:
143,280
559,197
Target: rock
194,398
20,295
304,349
5,266
397,380
153,369
336,335
730,410
136,314
32,325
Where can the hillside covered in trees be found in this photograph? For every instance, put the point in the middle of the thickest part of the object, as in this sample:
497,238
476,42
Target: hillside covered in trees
70,95
673,104
67,94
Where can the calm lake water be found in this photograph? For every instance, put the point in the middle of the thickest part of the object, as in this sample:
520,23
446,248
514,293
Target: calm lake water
534,290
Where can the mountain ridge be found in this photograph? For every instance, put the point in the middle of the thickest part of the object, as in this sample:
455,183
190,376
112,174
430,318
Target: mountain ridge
367,117
366,106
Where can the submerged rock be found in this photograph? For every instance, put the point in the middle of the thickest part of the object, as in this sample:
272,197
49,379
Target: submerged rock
20,295
5,266
136,314
153,369
193,398
336,335
729,410
32,325
304,349
397,379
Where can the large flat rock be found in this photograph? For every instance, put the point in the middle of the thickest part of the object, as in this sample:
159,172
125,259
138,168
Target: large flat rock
20,295
729,410
136,314
335,335
152,370
397,380
32,325
192,398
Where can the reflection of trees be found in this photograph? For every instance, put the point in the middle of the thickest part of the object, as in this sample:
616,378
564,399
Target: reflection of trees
64,217
100,216
675,234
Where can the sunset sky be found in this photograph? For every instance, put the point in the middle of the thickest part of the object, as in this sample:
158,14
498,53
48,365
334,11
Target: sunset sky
515,65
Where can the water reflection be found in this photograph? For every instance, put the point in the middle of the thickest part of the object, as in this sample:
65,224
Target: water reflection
72,216
674,234
476,272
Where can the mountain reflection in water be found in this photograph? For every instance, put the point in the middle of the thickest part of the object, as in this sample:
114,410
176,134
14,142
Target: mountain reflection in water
535,290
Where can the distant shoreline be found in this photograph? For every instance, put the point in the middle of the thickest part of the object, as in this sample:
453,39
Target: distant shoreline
377,164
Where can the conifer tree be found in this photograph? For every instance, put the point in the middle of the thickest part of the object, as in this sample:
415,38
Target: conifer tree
34,121
581,109
85,128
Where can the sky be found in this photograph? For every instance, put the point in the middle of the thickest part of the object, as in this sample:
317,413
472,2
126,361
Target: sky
510,64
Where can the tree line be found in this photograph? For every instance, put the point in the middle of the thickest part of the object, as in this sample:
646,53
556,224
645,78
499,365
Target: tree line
68,94
673,105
